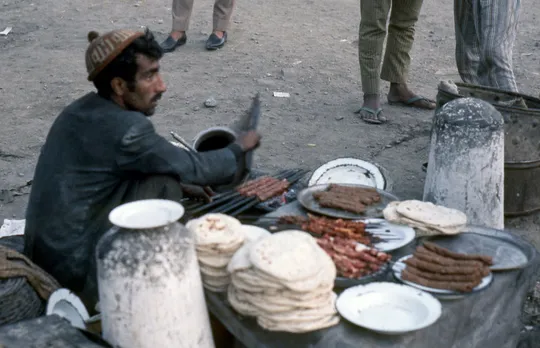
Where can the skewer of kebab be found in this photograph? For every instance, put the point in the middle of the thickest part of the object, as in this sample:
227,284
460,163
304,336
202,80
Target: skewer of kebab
350,260
321,226
436,267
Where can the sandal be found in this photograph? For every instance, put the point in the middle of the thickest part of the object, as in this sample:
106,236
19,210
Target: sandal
369,115
413,102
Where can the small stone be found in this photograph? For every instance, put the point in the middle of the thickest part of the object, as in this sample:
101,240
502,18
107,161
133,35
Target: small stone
21,174
210,102
196,108
339,118
388,146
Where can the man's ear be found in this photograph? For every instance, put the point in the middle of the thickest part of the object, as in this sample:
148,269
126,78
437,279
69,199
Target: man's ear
118,86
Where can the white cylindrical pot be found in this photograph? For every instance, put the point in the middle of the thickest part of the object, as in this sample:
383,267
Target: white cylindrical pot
150,289
466,161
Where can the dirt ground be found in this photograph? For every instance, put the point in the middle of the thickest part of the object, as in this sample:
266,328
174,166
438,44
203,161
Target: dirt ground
307,48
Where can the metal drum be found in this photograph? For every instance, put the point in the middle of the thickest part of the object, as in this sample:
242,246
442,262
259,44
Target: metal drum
522,144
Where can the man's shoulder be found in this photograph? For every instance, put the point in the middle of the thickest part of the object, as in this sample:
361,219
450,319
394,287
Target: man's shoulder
91,108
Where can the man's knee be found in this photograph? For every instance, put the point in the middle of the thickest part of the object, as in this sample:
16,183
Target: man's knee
159,187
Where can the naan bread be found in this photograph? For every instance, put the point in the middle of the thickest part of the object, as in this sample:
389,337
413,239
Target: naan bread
214,288
286,255
253,233
216,261
432,215
240,305
240,260
216,230
216,281
390,212
298,327
325,277
213,271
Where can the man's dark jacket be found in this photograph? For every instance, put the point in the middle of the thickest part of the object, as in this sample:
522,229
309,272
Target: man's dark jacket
92,154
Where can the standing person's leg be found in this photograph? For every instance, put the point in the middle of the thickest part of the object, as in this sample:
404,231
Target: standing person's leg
181,13
374,14
498,21
223,10
397,59
467,45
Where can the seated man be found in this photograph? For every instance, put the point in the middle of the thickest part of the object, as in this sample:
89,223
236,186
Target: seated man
103,151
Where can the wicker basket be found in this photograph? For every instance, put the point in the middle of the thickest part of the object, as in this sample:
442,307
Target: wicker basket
18,300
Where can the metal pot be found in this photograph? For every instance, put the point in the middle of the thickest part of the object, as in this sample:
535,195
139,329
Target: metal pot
216,138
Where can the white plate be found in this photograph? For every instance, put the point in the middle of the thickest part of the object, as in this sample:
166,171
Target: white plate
148,213
348,171
400,266
67,305
405,233
388,308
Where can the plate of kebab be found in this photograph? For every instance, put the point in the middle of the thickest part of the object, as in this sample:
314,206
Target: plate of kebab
358,248
345,201
440,271
376,233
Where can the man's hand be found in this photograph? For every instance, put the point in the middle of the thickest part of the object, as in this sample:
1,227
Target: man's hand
249,140
198,192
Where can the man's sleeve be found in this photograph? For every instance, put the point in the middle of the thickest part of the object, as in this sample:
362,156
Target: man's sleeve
142,150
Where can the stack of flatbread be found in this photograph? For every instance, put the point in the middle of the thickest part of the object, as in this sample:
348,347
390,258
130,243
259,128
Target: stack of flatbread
426,217
285,280
217,238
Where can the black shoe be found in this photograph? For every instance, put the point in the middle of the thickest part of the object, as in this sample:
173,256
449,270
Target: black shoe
214,42
171,44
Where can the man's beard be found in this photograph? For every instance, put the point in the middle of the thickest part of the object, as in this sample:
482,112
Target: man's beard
147,113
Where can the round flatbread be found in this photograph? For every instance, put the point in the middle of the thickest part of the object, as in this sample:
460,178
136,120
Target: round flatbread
390,212
325,309
288,255
240,284
282,299
253,278
240,260
212,271
325,277
253,233
216,229
428,230
217,261
216,281
431,214
214,288
298,327
241,306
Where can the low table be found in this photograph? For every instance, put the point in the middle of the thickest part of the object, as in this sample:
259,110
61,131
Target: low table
490,318
47,331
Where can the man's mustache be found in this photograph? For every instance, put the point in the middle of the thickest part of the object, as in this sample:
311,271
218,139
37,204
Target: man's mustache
157,97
